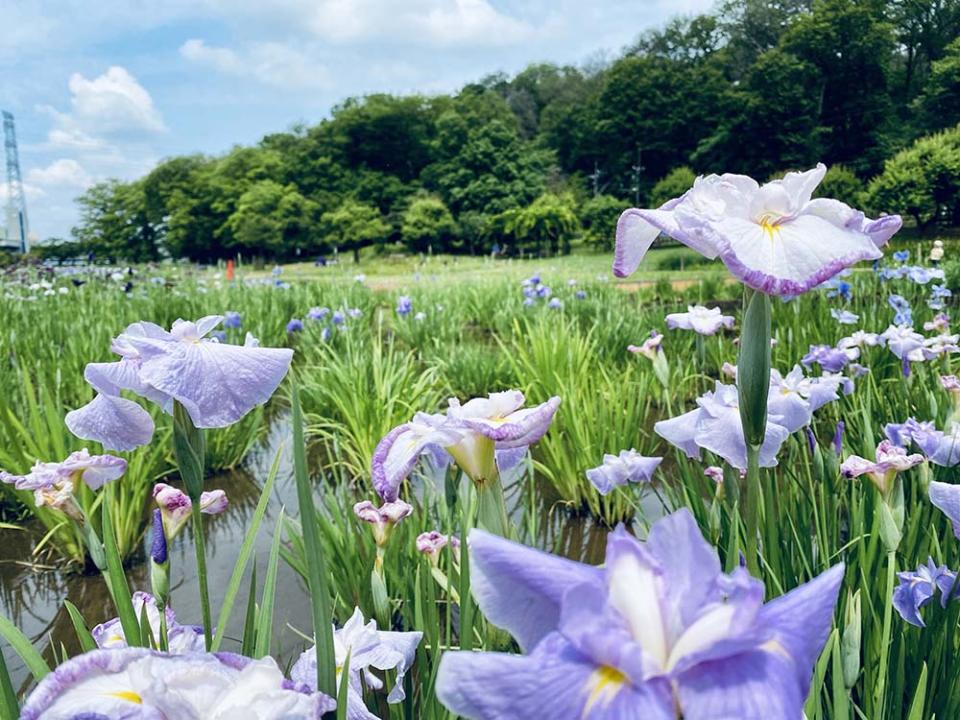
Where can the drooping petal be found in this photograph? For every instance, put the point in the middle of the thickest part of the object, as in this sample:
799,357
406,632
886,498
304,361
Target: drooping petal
114,422
681,432
217,383
946,497
618,470
521,589
554,681
398,452
95,470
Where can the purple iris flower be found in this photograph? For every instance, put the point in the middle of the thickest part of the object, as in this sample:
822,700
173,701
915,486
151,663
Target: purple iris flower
901,256
338,318
180,638
474,434
838,438
354,313
232,320
946,498
659,632
829,358
544,291
617,470
295,325
325,334
904,315
924,434
918,588
219,335
922,275
844,317
839,288
774,238
938,293
581,295
942,448
903,341
555,303
715,426
940,323
890,461
318,313
216,383
793,398
404,305
700,319
142,683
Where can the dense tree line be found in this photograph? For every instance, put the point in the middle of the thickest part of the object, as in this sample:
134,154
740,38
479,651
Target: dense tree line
531,162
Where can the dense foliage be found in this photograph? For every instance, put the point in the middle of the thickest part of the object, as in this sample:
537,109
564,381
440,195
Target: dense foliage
755,87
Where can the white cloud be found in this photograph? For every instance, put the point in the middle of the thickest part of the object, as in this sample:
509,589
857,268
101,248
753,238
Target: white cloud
412,22
73,138
270,63
65,172
113,102
31,192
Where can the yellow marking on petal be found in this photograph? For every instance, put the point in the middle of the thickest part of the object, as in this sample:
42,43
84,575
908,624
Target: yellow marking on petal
127,695
775,648
770,228
604,684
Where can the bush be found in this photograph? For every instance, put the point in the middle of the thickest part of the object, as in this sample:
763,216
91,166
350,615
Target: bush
841,183
922,181
599,218
675,184
427,223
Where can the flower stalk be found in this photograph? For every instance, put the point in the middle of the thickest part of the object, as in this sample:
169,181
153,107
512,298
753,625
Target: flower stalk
753,383
189,449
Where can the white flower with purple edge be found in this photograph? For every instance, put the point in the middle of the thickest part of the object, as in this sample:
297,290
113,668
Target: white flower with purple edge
890,461
774,238
136,683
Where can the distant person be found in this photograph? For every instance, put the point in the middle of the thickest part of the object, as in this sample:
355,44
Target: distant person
321,261
936,253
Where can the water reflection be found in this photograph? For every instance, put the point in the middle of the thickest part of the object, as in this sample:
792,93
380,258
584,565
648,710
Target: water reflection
33,596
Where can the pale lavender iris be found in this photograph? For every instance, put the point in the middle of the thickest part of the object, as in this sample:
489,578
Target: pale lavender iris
903,314
141,684
383,518
844,317
793,398
859,339
54,483
432,542
650,348
946,498
659,632
923,433
215,382
890,461
829,358
903,341
368,649
918,588
774,237
700,319
473,434
181,639
938,294
715,426
940,323
404,305
318,313
618,470
175,506
295,325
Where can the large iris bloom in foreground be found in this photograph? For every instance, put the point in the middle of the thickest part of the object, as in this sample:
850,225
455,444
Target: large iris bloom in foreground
141,684
774,237
215,382
657,633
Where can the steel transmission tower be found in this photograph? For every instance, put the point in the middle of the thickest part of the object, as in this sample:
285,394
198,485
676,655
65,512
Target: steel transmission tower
17,227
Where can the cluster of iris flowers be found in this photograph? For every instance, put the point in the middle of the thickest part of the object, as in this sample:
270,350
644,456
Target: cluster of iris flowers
658,631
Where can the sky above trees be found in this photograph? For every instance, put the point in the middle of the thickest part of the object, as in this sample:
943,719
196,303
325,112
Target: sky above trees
107,89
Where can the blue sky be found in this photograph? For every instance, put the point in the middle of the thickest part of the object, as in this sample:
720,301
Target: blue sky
106,88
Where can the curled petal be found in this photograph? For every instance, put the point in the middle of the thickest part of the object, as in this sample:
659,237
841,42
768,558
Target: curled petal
213,502
114,422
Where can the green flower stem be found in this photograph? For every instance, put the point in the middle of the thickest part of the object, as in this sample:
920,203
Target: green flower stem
198,543
885,640
753,385
752,508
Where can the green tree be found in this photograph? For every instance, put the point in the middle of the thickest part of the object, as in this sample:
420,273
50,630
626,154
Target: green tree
354,225
549,223
841,183
922,182
273,219
940,101
113,222
673,185
427,223
599,216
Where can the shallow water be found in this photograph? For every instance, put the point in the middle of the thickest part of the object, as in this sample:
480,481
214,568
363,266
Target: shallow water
32,596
